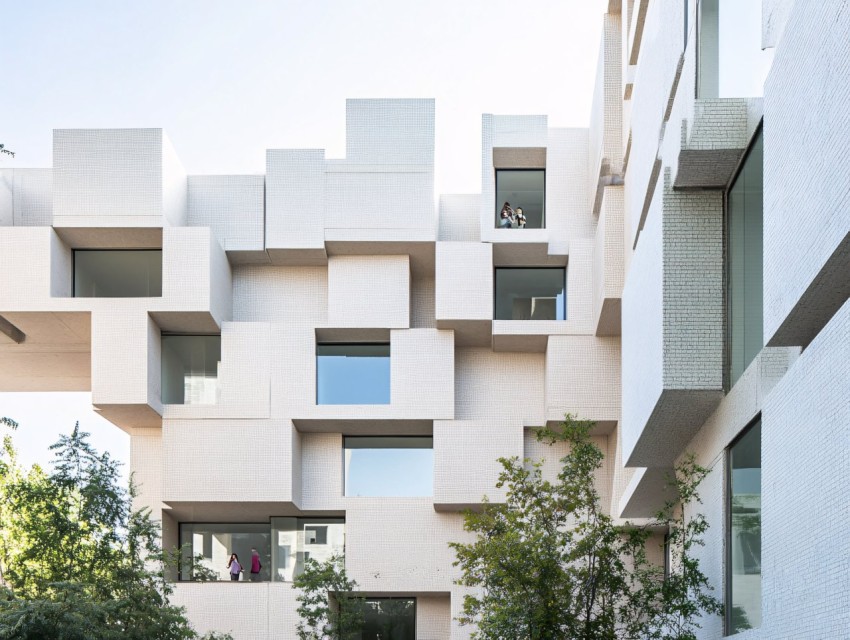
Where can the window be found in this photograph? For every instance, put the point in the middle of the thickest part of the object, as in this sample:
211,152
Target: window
353,373
117,274
283,545
732,63
744,263
389,466
294,540
190,369
531,294
525,191
388,619
743,544
215,542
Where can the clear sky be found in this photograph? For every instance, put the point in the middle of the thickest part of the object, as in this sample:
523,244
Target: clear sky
228,79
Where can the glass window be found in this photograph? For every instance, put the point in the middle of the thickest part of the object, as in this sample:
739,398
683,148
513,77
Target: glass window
743,561
117,274
215,543
389,466
294,540
388,619
732,63
744,263
524,191
531,294
190,369
353,374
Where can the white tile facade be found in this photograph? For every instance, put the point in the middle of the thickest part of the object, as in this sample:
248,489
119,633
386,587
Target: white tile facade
358,249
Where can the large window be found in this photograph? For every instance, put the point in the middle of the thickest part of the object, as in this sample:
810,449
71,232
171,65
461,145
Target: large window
353,374
389,466
190,369
531,294
211,544
732,63
524,191
744,263
743,545
388,619
282,546
117,274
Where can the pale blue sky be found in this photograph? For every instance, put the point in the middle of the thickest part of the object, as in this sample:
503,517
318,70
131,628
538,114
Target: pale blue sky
228,79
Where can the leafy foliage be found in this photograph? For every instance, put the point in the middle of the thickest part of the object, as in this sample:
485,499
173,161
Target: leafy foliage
551,563
76,561
326,605
6,151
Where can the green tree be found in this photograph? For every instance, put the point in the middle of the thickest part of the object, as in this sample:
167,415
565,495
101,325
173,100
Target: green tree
77,561
550,563
326,604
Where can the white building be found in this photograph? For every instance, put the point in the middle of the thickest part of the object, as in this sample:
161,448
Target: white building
323,355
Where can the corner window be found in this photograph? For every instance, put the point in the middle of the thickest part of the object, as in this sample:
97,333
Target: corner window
531,294
388,619
117,274
743,543
380,466
732,63
520,198
190,369
744,214
356,373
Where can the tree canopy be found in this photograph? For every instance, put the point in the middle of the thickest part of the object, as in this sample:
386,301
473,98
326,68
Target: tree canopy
551,563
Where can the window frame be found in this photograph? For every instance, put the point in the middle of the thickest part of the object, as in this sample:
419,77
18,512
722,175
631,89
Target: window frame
415,606
496,285
100,250
398,437
178,334
369,343
727,523
496,207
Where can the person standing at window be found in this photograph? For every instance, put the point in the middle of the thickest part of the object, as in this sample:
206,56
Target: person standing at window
256,565
235,567
520,218
507,215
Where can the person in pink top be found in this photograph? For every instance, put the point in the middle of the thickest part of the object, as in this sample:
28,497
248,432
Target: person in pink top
256,565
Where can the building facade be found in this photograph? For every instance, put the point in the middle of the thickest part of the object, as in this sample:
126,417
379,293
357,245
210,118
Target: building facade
324,358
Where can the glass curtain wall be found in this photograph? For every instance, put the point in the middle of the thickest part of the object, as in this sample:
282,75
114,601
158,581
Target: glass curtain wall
743,562
523,189
117,274
732,63
383,466
744,217
295,540
388,619
353,373
214,542
190,369
531,294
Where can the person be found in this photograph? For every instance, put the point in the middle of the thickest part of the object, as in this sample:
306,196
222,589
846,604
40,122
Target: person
256,565
520,218
234,566
507,216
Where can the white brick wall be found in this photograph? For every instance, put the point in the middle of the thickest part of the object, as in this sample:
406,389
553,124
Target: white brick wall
369,291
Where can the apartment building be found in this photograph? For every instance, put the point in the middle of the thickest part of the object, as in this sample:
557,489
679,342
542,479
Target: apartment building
324,358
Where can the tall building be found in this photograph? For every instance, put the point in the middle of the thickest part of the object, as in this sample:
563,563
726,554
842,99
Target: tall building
323,357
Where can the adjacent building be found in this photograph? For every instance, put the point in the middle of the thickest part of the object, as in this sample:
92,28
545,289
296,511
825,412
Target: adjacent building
323,358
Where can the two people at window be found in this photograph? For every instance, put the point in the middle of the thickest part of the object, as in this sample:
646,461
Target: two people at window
236,568
512,218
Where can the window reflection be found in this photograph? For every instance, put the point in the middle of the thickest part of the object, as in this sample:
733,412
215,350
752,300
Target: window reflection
530,294
215,542
294,540
190,369
743,607
117,273
388,619
357,373
389,466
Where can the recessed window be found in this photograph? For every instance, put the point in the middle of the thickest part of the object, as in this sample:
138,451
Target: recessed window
520,198
531,294
389,466
190,369
215,543
388,619
294,540
743,557
732,63
117,274
744,216
353,373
